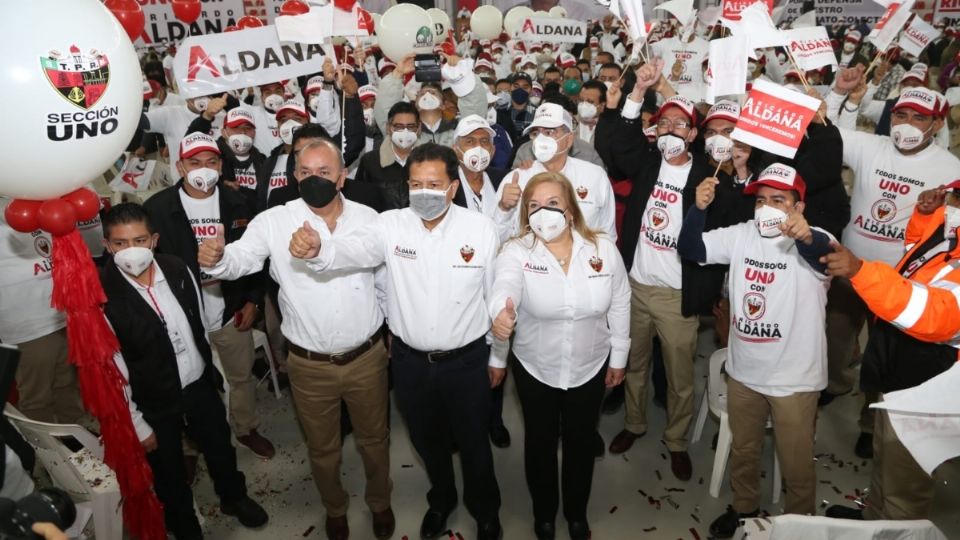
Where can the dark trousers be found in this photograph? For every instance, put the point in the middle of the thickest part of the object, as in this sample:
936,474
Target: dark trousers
496,404
570,416
205,422
443,402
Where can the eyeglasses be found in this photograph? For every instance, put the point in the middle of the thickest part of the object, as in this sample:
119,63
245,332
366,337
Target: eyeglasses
666,123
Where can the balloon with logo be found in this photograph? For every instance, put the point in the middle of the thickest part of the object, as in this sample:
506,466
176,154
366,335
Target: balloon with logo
514,18
486,22
405,29
441,23
558,12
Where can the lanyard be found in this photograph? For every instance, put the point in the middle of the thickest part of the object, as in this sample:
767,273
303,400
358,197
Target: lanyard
156,306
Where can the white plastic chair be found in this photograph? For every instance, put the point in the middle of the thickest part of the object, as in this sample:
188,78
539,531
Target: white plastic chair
260,341
715,401
82,474
794,527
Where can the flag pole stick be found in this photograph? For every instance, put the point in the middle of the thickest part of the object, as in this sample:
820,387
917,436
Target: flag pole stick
803,79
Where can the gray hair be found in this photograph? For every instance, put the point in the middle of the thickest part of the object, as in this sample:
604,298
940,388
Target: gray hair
322,142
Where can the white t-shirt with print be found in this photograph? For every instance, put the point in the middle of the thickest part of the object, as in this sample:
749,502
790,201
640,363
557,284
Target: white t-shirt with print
655,261
204,216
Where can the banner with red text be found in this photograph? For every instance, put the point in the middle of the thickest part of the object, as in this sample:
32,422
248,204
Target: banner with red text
917,35
811,48
947,10
160,24
774,118
732,8
890,24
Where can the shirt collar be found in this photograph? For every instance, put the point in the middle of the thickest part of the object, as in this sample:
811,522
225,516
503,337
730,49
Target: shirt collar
158,277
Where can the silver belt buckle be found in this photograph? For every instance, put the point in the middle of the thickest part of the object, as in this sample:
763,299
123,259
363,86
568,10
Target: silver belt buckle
336,357
430,356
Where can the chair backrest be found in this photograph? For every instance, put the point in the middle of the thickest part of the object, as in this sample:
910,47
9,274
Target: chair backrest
55,456
717,382
796,527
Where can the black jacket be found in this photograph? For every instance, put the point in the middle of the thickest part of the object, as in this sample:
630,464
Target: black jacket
640,162
819,161
391,178
154,376
496,176
176,238
263,177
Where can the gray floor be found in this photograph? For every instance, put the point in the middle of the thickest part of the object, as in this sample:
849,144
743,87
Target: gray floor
617,507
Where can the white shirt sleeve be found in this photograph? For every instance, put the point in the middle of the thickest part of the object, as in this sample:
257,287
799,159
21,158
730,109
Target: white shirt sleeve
498,349
363,249
834,100
618,316
631,109
246,255
719,243
159,118
608,213
328,112
506,220
143,429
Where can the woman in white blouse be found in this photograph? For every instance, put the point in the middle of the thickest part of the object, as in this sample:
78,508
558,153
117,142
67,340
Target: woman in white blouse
565,289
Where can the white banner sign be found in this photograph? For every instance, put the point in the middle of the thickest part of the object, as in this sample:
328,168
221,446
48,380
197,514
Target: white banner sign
213,64
917,36
135,175
727,70
774,118
160,24
811,48
631,13
890,24
947,11
755,24
551,30
847,11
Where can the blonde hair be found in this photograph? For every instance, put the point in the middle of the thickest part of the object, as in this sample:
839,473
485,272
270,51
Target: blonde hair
577,222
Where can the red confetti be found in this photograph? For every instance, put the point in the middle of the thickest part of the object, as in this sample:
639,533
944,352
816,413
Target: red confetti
614,509
694,533
309,530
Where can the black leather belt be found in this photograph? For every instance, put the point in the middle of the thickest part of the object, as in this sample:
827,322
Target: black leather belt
339,359
439,356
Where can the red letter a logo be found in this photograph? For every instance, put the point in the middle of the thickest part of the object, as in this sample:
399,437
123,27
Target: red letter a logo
200,59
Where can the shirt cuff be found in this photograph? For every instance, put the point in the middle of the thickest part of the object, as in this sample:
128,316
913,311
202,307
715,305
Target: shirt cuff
323,259
618,353
631,109
498,354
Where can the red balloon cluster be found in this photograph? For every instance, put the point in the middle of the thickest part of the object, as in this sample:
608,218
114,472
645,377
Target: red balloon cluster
56,216
129,14
249,21
187,11
294,7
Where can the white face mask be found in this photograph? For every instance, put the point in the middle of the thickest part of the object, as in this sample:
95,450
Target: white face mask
134,260
476,159
608,84
200,104
951,220
587,110
532,73
428,102
503,99
368,117
849,47
429,204
491,116
719,148
768,220
287,130
548,223
273,102
535,100
314,101
545,148
404,139
671,146
240,143
906,137
203,179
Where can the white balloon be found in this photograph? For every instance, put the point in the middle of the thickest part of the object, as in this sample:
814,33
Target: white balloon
72,89
441,23
405,29
558,12
541,13
514,18
486,22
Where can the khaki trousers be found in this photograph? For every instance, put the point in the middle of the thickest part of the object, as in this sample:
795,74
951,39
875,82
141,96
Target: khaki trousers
794,427
235,349
271,323
47,382
846,315
656,310
318,388
899,488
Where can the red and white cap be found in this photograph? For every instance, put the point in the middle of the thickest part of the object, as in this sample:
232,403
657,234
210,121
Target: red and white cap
778,176
536,87
238,116
594,40
197,142
519,46
529,59
567,60
922,100
952,186
147,89
384,65
314,84
723,110
853,36
550,115
919,72
536,47
367,91
681,103
294,105
651,133
471,123
483,63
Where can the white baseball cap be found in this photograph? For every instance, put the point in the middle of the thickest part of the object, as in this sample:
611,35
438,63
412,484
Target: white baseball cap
471,123
550,115
197,142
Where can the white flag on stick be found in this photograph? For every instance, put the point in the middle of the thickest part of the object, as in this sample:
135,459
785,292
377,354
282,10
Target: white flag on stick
811,48
917,36
727,69
631,13
681,9
890,24
755,24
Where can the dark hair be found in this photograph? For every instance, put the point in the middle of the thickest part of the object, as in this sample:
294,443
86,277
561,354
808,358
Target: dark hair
583,61
435,85
403,107
124,213
502,81
309,131
561,100
552,69
609,55
552,87
435,152
594,84
611,65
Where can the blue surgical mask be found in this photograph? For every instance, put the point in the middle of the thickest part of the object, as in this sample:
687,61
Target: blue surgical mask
520,96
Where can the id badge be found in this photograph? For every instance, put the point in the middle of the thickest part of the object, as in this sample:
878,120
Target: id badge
179,345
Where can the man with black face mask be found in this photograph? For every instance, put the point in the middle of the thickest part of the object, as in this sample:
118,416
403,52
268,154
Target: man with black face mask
334,354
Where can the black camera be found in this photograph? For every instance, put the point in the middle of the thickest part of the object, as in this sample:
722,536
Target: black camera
427,68
49,505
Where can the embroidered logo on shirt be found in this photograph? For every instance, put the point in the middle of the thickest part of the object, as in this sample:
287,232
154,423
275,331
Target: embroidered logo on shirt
596,263
659,219
535,268
406,253
42,245
582,192
883,210
467,253
754,305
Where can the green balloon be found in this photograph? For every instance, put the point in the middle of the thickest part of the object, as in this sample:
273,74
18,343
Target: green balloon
571,87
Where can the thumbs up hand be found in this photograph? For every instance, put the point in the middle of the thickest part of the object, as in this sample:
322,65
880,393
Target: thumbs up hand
305,242
506,319
511,194
211,249
842,262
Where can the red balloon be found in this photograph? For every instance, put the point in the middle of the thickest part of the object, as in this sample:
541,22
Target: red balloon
129,14
294,7
85,203
21,215
187,11
249,21
57,217
346,5
231,28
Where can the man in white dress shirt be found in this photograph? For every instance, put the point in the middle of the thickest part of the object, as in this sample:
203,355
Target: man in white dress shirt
439,260
336,352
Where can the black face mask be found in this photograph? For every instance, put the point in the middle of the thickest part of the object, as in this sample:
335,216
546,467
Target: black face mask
317,192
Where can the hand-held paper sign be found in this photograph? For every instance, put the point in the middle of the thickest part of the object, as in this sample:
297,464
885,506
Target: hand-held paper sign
76,83
774,118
